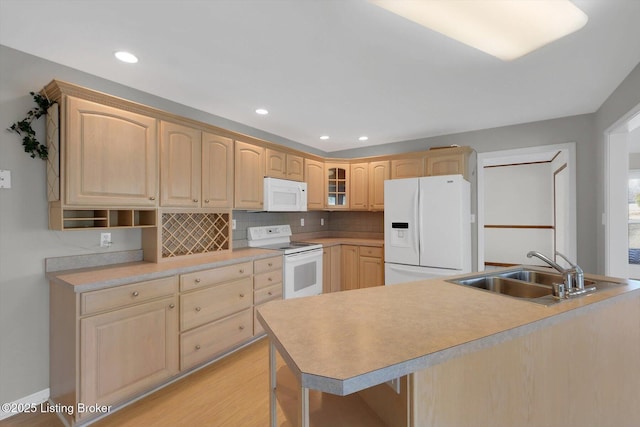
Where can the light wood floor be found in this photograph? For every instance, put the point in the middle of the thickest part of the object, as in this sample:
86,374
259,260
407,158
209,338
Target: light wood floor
232,392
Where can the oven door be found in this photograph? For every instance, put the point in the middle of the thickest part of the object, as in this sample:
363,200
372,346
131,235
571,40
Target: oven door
303,274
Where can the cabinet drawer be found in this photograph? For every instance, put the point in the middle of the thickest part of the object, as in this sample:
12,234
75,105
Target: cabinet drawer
122,296
203,278
267,294
206,305
207,341
267,279
268,264
371,251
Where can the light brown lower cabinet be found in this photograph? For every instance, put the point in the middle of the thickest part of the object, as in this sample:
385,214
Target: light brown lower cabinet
361,267
110,346
331,270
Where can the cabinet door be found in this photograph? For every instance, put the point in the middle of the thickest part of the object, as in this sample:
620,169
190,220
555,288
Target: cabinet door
326,270
111,156
336,268
314,175
378,173
371,272
126,351
249,176
180,165
407,168
359,189
295,167
276,164
349,267
445,164
217,171
337,185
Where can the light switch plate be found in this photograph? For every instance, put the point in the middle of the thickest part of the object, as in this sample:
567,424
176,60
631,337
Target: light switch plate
5,179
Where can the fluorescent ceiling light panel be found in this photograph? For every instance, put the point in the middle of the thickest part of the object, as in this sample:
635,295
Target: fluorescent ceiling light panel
507,29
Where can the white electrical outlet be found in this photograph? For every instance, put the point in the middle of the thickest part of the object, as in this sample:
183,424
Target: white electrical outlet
301,222
233,224
321,221
5,179
105,240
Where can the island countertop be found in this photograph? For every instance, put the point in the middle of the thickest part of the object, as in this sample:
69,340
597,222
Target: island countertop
347,341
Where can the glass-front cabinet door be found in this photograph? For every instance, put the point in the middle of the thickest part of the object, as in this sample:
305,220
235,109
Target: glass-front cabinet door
337,185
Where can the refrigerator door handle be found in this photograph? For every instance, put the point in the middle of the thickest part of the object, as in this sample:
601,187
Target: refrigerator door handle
418,230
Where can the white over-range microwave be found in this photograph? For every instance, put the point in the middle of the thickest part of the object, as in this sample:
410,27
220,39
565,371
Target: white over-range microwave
283,195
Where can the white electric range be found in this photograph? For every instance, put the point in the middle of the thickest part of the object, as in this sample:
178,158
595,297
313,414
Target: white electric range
302,262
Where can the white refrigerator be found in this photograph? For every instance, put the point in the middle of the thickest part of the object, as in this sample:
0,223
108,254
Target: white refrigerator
427,228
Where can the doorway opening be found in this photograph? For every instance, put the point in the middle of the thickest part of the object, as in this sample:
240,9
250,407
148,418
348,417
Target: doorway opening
526,201
622,204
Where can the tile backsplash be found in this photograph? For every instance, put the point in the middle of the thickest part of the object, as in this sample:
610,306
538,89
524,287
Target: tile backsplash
366,222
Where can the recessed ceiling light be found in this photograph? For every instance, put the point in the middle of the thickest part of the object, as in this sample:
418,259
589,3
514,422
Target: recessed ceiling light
262,111
127,57
504,29
363,138
324,137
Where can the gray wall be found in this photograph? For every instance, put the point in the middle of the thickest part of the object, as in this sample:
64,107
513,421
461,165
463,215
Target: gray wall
25,240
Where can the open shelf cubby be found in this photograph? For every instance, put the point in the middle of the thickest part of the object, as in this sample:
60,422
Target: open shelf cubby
82,219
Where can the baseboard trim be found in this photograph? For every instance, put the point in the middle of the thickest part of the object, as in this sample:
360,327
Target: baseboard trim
25,402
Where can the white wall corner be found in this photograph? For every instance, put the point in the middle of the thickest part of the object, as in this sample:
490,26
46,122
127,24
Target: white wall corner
24,404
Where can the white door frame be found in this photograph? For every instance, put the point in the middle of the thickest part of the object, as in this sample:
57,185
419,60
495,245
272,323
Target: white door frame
523,155
616,173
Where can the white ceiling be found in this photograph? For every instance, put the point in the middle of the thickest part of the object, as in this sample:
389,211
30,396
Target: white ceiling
344,68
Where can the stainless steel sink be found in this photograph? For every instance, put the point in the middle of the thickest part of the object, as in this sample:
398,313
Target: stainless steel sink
526,284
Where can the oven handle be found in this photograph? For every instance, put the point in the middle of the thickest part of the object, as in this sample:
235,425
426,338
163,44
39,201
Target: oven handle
304,255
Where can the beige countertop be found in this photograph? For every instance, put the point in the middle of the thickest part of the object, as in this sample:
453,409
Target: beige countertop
344,342
88,279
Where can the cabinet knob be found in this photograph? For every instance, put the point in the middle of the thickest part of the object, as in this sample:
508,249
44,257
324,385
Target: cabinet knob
198,309
241,270
270,279
241,295
195,200
197,280
270,293
270,264
135,293
241,327
197,347
152,198
206,201
172,306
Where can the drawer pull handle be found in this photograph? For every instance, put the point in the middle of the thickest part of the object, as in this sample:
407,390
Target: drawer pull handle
241,327
197,280
270,264
206,201
270,279
135,293
195,200
198,309
152,198
197,347
241,295
241,270
172,306
270,293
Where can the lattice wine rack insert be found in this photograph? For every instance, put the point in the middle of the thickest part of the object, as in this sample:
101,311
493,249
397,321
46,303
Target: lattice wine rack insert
194,233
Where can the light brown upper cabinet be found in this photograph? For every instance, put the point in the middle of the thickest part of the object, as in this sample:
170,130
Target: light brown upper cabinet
359,186
217,171
378,173
111,155
450,161
284,165
337,185
412,167
314,175
180,166
196,168
249,176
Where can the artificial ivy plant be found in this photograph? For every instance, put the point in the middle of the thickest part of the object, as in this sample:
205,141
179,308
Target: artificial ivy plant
24,129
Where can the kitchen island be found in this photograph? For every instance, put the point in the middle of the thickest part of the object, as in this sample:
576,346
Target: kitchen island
464,356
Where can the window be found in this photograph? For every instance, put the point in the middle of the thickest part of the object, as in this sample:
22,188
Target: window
634,216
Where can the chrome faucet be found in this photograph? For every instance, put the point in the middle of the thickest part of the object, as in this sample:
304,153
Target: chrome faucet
573,276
